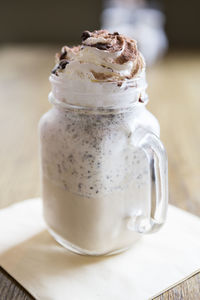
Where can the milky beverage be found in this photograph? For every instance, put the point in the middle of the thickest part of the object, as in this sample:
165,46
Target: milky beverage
95,182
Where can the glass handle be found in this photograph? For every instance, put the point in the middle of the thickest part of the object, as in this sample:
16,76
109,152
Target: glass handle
158,165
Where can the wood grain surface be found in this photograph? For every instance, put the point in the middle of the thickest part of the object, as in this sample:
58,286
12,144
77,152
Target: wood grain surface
10,289
188,289
174,85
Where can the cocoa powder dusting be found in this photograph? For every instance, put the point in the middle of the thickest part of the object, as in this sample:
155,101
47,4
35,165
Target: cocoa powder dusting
128,53
100,76
125,49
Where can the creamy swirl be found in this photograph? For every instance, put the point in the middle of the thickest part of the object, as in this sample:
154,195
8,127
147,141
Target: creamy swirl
102,56
106,70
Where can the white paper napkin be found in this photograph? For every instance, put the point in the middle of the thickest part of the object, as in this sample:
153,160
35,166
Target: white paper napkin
48,271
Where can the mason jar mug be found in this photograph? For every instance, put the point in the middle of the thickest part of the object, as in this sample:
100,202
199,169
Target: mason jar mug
104,169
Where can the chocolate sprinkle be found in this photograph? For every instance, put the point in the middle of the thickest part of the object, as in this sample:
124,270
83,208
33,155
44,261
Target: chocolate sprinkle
100,46
63,55
62,64
54,70
85,35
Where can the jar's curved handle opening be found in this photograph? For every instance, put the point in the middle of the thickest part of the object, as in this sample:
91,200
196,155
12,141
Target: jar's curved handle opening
158,167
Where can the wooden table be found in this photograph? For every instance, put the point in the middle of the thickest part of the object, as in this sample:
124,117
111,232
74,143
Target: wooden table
174,94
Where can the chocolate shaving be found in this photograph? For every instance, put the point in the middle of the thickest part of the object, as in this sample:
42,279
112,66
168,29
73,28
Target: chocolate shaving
101,46
85,35
55,69
63,63
63,55
61,66
116,33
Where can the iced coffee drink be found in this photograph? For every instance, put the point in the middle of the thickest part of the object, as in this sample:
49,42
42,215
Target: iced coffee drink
104,169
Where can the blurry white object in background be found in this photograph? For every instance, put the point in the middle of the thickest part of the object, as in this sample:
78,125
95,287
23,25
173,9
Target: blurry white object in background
139,21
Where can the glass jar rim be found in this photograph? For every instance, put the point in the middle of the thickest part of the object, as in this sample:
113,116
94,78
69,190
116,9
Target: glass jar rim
98,96
94,110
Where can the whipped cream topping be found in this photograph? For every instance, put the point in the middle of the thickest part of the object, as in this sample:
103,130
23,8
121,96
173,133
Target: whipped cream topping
106,70
102,56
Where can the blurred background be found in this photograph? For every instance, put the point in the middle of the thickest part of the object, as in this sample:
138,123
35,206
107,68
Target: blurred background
168,36
62,21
